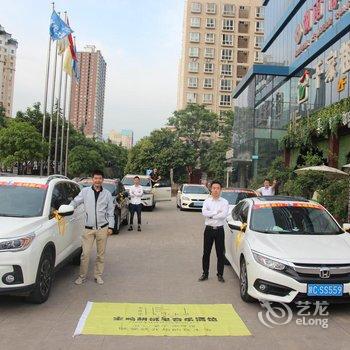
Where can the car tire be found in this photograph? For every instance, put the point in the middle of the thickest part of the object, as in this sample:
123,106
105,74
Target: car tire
76,259
243,283
44,278
126,219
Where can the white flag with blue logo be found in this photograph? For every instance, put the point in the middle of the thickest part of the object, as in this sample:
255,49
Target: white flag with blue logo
58,28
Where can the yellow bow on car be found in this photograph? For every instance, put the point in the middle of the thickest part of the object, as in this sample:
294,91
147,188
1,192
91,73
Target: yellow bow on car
240,235
61,222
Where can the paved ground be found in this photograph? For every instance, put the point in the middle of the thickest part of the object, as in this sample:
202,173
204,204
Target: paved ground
159,265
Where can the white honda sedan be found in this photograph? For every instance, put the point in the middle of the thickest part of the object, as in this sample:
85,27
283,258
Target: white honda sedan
285,249
191,196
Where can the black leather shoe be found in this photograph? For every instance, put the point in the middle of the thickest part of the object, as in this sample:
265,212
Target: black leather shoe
139,228
220,278
204,277
130,228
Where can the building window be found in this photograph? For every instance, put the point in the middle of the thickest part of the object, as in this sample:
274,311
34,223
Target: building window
226,54
225,100
229,10
208,83
196,7
228,24
258,58
208,67
226,69
225,85
194,52
211,8
210,38
259,26
194,37
193,67
258,42
195,22
210,23
191,97
259,12
192,82
227,39
208,98
209,52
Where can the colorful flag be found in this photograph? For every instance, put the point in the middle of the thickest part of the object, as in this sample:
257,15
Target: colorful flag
70,63
58,28
62,44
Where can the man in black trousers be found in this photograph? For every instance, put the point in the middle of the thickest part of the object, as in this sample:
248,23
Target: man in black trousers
215,210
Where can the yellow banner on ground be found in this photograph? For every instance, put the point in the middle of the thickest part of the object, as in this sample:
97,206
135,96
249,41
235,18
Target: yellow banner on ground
161,320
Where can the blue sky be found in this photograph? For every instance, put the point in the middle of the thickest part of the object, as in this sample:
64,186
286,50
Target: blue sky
139,39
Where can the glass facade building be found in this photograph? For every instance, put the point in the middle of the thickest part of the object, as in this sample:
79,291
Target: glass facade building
306,67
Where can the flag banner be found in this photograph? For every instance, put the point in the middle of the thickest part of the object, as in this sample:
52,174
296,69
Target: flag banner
62,44
173,320
58,28
68,61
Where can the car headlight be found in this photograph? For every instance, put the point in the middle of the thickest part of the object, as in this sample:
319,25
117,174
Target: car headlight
16,244
268,262
186,198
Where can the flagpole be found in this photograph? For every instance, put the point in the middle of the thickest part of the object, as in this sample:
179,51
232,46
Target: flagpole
63,121
45,97
68,125
52,107
59,107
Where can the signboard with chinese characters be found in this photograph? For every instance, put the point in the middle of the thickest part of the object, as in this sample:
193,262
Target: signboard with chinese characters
312,18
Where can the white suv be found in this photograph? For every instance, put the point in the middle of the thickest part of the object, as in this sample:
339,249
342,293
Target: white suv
39,232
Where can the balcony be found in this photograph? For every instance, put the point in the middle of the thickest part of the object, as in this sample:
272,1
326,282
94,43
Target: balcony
244,12
243,42
242,57
243,27
241,71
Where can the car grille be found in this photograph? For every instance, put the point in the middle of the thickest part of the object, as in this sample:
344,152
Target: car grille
338,273
197,200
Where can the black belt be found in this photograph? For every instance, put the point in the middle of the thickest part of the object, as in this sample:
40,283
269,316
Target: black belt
215,227
93,228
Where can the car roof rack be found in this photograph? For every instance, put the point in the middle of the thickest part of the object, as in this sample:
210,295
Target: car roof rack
56,176
282,198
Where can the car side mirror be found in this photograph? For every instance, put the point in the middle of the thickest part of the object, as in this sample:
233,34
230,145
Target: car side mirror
346,227
235,224
65,210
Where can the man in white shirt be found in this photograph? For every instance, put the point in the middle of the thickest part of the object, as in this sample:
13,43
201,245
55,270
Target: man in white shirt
215,210
267,189
135,206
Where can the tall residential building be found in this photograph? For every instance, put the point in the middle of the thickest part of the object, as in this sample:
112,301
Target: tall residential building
87,96
125,138
8,48
221,40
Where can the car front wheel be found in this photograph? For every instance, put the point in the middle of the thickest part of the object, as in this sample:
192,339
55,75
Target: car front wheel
45,275
243,279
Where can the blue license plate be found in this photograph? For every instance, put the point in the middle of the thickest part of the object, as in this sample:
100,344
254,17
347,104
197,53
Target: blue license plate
325,290
198,204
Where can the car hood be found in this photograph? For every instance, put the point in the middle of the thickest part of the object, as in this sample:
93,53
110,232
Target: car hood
145,188
195,196
303,249
13,227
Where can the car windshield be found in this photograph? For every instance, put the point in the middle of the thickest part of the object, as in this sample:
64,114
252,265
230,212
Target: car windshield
196,190
22,200
233,197
129,181
107,185
293,218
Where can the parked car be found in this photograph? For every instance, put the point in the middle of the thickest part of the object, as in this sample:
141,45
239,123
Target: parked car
286,249
160,192
235,195
191,196
39,232
121,200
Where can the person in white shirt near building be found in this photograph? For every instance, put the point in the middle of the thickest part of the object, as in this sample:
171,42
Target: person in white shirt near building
215,210
267,189
135,206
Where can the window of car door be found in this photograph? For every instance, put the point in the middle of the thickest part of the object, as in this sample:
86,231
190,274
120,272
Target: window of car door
236,212
72,191
59,197
244,212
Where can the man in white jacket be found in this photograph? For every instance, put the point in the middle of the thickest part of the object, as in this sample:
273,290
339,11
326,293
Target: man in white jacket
135,206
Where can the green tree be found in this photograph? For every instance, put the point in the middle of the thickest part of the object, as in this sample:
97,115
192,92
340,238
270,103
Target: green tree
83,160
2,117
20,143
